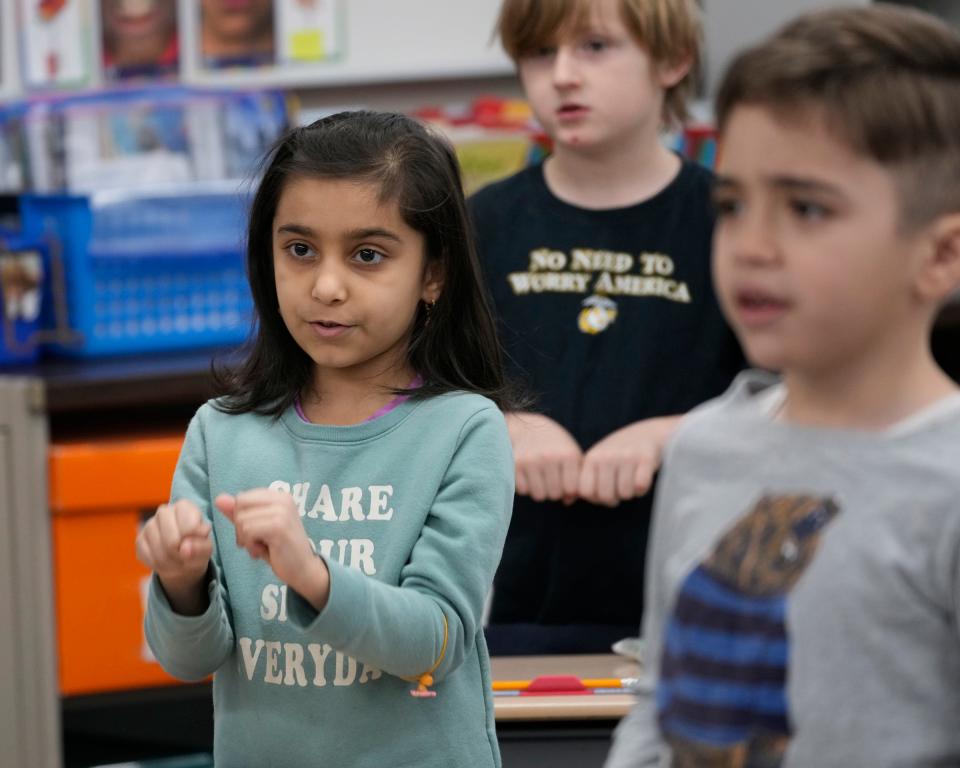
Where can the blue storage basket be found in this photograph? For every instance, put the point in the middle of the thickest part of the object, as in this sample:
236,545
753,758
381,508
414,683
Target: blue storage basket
147,272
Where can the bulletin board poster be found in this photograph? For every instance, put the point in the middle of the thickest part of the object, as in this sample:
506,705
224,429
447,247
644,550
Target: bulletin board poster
139,39
307,31
55,47
237,33
267,33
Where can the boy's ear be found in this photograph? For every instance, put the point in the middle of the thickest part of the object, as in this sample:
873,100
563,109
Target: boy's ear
669,73
432,282
940,273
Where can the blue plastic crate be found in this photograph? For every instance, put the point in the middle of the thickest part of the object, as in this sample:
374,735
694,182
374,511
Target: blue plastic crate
147,272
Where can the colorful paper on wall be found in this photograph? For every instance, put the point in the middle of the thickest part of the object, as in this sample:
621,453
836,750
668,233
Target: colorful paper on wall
54,43
139,39
307,30
236,34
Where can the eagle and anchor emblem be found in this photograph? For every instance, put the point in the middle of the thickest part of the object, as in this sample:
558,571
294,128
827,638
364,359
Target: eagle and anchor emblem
598,314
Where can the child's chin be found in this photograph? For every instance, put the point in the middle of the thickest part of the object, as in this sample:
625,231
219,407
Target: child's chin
760,357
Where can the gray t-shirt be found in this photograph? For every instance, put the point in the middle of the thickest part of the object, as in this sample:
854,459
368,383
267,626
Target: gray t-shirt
803,589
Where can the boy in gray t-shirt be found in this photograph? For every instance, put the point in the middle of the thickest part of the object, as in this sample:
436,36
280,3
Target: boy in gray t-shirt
803,587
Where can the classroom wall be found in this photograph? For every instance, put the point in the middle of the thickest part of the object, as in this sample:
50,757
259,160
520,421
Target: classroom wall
730,25
408,96
947,9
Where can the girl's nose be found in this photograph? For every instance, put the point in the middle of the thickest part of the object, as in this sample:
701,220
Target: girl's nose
329,285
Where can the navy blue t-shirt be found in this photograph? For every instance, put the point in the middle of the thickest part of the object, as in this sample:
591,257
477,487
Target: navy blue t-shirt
608,317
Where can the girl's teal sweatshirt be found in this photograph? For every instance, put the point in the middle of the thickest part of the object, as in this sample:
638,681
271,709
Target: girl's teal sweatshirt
409,512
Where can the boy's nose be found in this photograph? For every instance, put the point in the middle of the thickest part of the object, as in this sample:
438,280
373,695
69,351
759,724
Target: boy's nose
747,238
566,73
755,244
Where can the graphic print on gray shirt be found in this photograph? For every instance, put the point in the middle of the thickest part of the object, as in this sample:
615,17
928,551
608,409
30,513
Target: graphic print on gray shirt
721,697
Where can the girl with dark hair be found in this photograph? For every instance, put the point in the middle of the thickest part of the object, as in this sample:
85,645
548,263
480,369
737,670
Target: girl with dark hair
339,512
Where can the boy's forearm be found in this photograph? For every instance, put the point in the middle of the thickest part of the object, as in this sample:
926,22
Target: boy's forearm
665,426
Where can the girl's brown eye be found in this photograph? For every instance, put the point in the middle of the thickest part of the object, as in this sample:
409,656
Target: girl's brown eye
368,256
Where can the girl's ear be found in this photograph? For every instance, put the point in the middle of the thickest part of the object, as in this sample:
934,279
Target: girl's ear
432,282
939,274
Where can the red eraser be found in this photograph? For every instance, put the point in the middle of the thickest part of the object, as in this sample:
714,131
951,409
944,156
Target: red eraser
552,685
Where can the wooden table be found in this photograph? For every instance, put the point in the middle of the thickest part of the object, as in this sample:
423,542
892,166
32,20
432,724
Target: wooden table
564,731
585,707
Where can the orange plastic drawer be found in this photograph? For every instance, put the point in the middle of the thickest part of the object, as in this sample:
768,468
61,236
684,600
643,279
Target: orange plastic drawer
112,473
99,493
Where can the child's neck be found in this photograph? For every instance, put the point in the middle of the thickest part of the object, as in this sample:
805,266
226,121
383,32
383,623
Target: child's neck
865,394
614,177
339,399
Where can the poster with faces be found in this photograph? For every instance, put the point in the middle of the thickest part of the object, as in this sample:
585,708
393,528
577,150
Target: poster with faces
55,43
266,33
306,30
139,39
237,33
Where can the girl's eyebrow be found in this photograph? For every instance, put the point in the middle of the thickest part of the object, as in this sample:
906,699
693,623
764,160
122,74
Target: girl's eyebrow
354,234
367,232
296,229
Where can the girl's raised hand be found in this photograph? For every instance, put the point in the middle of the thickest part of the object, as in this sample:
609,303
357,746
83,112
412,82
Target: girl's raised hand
267,524
175,544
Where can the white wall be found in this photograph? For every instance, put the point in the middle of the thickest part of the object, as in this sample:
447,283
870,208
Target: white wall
730,25
407,96
947,9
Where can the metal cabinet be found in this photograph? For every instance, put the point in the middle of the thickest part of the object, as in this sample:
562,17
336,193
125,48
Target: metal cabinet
29,708
39,404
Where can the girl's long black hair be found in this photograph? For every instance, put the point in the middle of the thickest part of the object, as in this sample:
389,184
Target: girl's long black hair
458,348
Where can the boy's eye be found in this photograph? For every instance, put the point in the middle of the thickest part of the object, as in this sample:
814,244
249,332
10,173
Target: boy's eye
368,256
543,51
808,210
726,206
595,45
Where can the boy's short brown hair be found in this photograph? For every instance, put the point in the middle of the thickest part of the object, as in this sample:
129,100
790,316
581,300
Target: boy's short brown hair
885,80
669,30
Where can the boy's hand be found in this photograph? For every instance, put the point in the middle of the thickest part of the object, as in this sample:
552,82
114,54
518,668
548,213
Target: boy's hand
175,544
622,465
268,526
546,456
